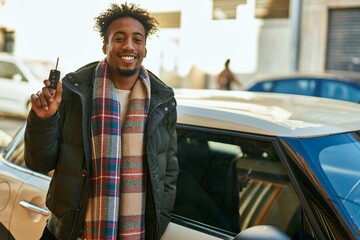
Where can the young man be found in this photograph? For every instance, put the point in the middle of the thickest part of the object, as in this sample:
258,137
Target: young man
226,78
108,132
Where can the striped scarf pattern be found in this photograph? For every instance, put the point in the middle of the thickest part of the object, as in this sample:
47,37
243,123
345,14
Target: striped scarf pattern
116,204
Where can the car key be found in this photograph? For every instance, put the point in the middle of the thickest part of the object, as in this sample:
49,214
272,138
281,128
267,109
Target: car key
54,76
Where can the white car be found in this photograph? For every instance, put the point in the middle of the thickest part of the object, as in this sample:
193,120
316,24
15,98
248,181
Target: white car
252,166
17,84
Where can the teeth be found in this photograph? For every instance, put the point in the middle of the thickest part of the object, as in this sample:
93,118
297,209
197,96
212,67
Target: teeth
128,58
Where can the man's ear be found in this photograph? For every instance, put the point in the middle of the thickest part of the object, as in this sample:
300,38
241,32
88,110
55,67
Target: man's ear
145,52
104,47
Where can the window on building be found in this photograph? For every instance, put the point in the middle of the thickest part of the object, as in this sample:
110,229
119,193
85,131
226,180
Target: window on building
7,40
272,8
226,9
168,19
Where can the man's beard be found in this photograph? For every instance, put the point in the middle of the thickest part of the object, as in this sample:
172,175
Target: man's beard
127,73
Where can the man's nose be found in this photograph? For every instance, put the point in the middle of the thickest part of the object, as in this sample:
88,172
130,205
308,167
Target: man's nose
129,45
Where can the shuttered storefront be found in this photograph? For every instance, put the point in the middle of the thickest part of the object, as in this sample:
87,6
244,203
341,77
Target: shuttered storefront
343,46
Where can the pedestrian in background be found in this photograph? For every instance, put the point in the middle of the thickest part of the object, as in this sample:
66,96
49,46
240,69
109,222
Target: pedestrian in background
108,132
225,79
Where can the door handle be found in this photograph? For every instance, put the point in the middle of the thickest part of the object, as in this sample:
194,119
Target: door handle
33,208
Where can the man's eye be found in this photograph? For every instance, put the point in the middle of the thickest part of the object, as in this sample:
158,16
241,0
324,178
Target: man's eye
138,40
119,39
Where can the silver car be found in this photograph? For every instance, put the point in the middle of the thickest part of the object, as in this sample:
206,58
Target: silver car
17,83
250,163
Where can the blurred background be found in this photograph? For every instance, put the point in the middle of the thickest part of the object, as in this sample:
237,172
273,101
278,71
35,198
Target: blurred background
196,37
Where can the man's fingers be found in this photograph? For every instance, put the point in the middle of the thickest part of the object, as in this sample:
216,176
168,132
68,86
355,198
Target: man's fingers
46,101
58,92
35,99
36,104
43,99
47,83
39,100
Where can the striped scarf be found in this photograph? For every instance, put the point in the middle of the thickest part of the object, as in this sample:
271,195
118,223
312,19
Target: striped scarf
116,204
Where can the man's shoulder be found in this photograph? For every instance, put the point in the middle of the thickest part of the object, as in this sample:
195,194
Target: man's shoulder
84,72
90,66
159,89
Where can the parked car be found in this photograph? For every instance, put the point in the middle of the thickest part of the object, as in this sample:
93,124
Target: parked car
247,160
40,67
337,85
17,84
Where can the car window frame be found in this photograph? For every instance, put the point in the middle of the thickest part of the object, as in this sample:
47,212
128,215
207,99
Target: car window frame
298,151
19,136
283,159
308,210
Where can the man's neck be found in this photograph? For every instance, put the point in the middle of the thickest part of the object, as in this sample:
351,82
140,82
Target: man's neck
124,83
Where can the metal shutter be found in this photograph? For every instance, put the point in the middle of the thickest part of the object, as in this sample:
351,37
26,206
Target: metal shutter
343,47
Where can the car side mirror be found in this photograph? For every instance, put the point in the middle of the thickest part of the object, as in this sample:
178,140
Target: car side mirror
263,232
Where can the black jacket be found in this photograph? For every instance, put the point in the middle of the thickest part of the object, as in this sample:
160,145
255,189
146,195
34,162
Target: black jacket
62,143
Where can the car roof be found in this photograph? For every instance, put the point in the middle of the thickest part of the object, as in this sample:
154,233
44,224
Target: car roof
8,56
268,114
329,75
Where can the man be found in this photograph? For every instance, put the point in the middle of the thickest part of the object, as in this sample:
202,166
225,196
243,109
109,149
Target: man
226,78
108,132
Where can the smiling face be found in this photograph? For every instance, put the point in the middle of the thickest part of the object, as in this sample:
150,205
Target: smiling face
125,47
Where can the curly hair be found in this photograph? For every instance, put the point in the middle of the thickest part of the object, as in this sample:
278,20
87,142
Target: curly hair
116,11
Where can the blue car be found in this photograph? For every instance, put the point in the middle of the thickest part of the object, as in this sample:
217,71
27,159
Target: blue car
336,85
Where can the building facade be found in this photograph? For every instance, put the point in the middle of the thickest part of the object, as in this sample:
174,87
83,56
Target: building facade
196,37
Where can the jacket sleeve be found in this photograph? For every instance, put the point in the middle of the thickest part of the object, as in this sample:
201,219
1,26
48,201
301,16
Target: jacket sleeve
172,170
41,143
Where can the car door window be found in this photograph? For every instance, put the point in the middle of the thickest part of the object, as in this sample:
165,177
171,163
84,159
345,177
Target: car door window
295,86
233,183
9,71
266,86
340,90
15,152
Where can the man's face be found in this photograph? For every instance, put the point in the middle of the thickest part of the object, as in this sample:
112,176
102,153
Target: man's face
125,46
